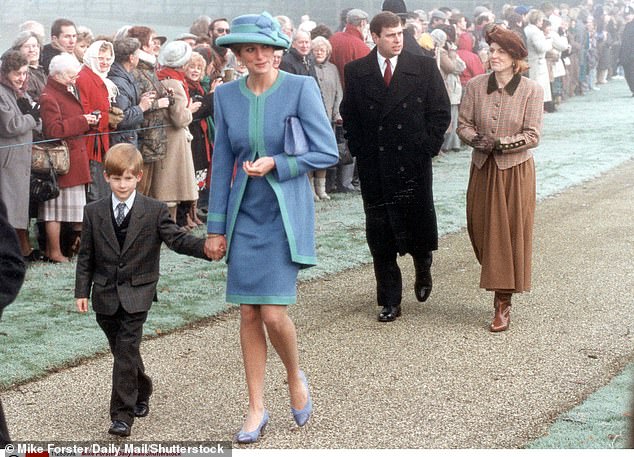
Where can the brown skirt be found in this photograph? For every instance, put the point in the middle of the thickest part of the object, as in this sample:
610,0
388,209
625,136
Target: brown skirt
500,215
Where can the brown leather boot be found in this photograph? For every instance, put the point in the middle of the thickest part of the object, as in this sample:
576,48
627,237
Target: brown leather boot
502,318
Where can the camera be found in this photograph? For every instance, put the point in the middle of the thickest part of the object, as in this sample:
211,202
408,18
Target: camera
197,98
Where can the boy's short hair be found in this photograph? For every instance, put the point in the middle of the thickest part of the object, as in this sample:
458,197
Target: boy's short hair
121,158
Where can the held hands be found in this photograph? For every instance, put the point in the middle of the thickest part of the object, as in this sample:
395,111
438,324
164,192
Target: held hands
82,305
215,246
258,168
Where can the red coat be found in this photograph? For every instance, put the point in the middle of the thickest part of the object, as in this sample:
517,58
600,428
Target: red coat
470,58
63,117
94,96
346,47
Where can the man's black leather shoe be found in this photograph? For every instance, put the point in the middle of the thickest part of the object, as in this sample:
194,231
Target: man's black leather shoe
389,313
119,428
422,285
141,409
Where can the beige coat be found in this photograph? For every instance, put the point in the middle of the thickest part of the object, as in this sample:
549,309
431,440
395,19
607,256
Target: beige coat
174,179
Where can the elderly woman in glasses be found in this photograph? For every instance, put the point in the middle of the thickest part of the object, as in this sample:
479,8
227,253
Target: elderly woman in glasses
501,118
63,117
97,93
332,94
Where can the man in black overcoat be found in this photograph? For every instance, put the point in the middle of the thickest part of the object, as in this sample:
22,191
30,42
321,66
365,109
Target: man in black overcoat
627,47
12,271
395,124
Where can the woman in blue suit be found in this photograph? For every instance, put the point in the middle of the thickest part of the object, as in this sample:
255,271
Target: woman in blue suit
263,218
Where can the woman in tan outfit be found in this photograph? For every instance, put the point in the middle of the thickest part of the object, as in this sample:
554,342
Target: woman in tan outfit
501,117
174,177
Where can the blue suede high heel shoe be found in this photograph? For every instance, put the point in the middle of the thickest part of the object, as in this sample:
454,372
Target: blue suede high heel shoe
302,416
243,437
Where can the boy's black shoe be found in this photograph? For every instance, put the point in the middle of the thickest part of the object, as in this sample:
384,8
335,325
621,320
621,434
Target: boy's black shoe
119,428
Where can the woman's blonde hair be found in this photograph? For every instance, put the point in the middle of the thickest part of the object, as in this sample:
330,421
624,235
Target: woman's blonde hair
196,58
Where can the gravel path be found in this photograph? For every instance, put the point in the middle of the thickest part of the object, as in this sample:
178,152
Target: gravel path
435,378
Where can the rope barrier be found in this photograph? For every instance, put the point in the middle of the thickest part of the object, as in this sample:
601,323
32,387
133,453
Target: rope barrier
86,135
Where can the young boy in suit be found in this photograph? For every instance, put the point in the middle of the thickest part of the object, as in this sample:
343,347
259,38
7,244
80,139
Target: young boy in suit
119,259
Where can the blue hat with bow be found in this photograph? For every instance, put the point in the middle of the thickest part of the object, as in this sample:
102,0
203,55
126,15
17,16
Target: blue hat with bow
255,28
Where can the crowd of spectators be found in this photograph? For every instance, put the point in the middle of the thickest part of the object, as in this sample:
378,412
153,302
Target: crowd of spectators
134,86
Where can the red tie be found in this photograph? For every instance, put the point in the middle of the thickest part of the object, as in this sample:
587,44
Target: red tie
387,76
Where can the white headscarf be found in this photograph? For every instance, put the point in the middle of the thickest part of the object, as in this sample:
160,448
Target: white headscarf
91,60
439,37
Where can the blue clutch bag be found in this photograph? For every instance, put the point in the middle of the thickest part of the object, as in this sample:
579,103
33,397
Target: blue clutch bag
295,141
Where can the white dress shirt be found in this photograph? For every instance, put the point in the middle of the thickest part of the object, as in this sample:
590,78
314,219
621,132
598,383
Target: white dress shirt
382,65
128,204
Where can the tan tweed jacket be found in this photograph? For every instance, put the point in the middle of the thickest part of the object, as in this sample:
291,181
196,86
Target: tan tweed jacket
512,115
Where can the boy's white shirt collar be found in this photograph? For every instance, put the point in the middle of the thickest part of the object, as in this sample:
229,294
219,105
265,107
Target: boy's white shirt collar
128,203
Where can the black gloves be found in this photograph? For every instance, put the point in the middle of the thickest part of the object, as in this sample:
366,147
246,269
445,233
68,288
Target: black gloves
24,104
26,108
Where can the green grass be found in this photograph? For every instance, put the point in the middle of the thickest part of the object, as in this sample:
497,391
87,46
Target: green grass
600,422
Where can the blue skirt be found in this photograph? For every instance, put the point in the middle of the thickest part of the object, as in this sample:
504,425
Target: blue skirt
260,270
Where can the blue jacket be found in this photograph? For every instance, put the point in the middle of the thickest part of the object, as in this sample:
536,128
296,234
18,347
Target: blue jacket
128,100
250,126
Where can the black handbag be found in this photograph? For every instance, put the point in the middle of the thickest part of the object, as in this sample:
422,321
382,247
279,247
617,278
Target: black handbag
44,186
345,158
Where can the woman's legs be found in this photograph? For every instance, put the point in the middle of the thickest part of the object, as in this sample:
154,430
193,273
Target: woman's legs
320,184
283,336
53,244
253,342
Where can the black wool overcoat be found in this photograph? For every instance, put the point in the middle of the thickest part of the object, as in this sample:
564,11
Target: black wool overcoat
394,132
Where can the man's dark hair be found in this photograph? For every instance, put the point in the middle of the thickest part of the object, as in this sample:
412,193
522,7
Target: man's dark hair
386,19
124,48
56,27
321,30
213,23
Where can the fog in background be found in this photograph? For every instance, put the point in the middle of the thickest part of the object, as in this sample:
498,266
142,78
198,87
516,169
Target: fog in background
173,17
